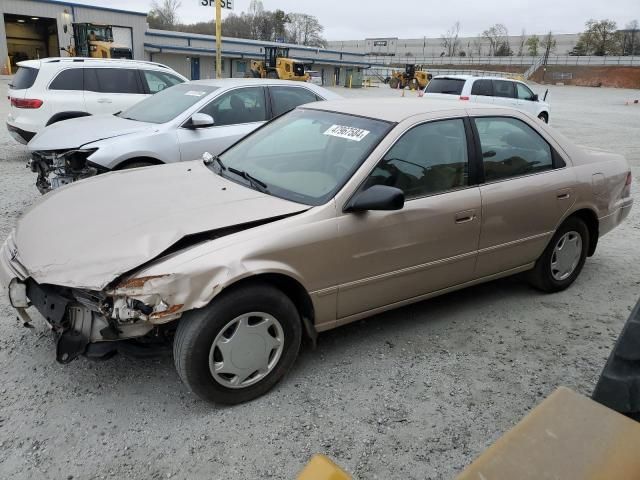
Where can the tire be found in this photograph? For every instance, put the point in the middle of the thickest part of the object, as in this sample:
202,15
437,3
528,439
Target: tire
199,331
413,84
273,75
550,279
544,116
394,83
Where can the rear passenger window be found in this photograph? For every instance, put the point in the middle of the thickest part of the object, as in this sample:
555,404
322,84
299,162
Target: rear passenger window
503,88
428,159
112,80
482,87
511,148
284,99
71,79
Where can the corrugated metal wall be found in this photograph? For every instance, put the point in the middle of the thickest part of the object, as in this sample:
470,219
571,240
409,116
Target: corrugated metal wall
66,15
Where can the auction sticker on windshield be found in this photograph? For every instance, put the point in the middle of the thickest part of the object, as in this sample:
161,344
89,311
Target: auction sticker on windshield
350,133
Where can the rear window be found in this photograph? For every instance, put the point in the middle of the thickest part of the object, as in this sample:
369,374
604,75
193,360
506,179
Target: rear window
24,78
452,86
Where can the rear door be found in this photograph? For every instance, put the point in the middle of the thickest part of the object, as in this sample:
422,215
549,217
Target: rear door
111,90
526,191
482,91
284,99
445,87
235,114
504,93
66,92
156,81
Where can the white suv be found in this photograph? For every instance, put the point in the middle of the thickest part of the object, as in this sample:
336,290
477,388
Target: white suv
47,91
494,90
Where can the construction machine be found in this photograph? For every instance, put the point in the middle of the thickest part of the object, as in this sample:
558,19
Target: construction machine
414,77
96,41
277,64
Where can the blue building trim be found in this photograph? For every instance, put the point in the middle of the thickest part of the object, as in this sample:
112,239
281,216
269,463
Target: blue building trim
243,55
207,38
92,7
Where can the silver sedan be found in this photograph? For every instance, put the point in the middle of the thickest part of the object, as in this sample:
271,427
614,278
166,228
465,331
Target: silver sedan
177,124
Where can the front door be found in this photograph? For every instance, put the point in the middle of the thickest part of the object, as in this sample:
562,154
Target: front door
526,193
195,68
235,114
428,245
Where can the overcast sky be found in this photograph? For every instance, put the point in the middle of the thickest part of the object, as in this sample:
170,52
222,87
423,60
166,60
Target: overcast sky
358,19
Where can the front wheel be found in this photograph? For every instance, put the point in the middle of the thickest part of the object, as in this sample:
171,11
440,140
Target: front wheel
563,259
238,347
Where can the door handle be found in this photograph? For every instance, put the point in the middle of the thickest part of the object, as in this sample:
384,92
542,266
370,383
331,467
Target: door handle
563,196
466,216
104,100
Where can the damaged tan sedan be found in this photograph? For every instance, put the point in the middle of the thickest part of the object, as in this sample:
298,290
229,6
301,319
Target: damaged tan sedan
328,214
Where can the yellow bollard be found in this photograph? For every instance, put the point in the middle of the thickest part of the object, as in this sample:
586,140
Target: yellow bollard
350,79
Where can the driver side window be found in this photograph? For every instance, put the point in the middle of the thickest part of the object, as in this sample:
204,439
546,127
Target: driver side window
428,159
243,105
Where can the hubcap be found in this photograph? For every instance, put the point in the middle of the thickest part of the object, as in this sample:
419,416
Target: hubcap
566,255
246,350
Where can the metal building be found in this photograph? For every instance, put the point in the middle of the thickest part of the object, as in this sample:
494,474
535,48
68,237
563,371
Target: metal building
32,29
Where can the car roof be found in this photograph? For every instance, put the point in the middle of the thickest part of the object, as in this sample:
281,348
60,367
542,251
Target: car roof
88,61
232,82
390,109
479,77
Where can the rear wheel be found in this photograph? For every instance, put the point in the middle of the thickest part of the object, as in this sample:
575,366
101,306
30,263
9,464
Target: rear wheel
564,257
273,75
414,84
239,346
394,82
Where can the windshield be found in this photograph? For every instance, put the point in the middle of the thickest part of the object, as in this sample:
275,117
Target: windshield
451,86
168,104
100,33
305,156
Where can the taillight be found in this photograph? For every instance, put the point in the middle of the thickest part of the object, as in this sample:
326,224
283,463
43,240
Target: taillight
464,97
26,102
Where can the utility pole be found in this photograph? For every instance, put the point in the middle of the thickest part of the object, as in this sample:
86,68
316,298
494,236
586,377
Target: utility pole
218,38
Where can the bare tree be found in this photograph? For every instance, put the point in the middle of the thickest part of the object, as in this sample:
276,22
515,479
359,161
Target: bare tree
498,41
164,14
450,40
523,39
548,43
305,30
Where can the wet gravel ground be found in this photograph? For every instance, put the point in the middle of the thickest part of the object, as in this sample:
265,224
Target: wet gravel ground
416,393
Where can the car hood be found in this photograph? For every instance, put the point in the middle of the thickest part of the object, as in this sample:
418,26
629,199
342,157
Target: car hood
87,234
76,132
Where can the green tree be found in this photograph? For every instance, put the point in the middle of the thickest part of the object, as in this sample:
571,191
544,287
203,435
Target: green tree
599,38
532,43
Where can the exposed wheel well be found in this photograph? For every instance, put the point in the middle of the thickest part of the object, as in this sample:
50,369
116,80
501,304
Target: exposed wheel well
591,220
130,161
60,116
544,115
292,289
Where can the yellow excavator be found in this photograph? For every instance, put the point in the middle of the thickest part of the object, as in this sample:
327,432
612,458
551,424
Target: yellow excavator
95,41
414,77
277,64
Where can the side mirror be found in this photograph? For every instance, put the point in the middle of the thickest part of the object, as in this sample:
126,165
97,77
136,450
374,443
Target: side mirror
377,197
534,98
200,120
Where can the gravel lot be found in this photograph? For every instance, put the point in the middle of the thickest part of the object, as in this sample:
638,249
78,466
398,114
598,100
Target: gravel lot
415,393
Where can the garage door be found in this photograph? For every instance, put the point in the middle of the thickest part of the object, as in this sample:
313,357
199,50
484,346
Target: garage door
123,36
